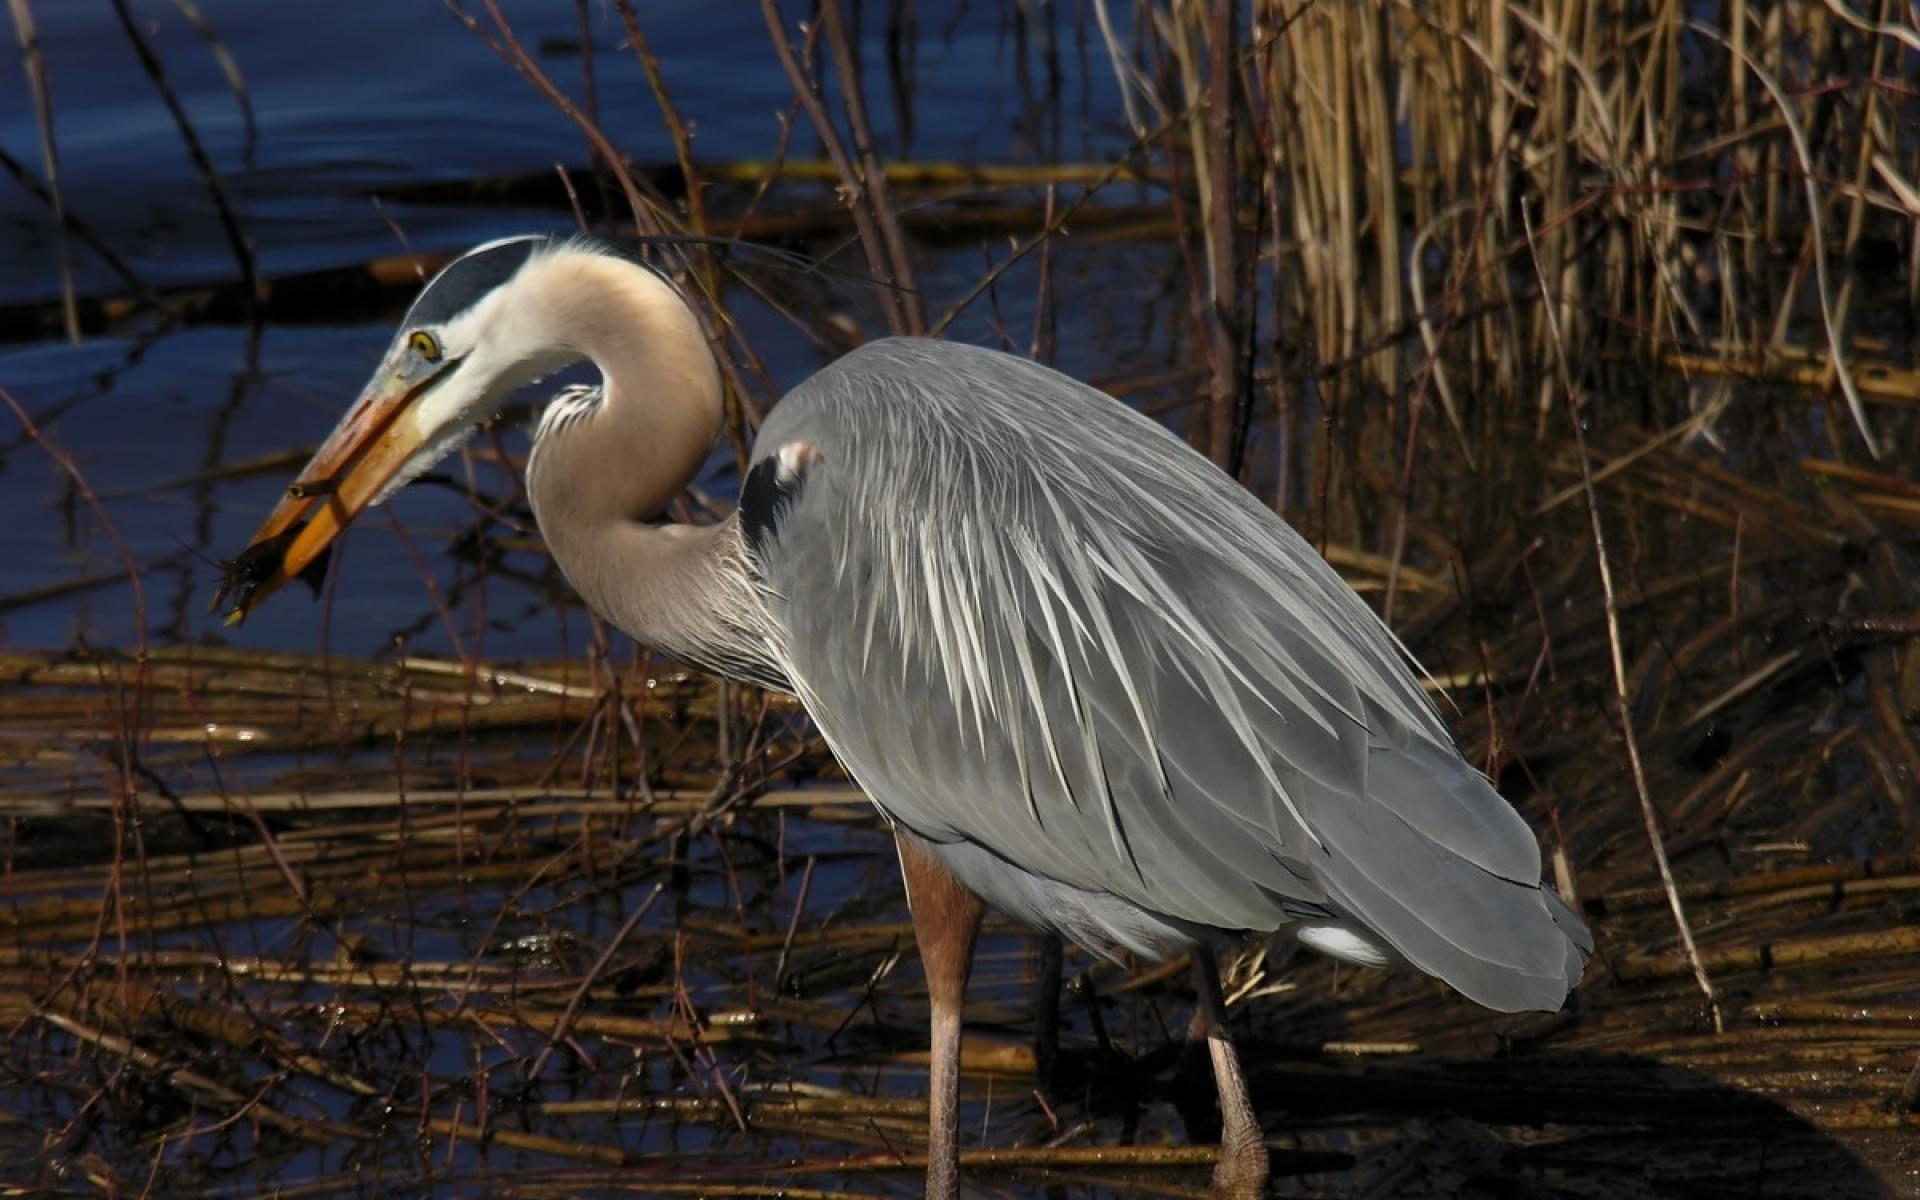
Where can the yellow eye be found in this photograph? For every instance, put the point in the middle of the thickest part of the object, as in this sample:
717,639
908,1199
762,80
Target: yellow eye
424,344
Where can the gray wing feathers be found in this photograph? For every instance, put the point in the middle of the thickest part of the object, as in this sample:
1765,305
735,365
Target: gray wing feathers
1029,618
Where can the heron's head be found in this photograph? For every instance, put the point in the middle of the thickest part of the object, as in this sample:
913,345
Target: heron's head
475,335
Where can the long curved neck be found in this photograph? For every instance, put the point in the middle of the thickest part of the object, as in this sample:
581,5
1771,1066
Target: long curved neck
595,478
661,406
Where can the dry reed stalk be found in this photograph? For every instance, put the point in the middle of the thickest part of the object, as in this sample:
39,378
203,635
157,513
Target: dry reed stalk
651,214
1784,953
210,960
796,1099
745,414
229,70
33,62
563,1025
643,203
143,296
872,180
1214,145
372,288
1816,234
1043,238
527,803
1285,1160
1648,814
256,289
857,196
537,1186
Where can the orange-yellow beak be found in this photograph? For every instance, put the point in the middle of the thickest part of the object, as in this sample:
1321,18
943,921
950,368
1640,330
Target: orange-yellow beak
364,453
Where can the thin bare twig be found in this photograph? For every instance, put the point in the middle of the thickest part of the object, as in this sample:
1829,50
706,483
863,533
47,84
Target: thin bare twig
1616,657
1231,377
873,178
806,90
649,213
1836,351
202,161
565,1023
34,63
83,231
229,68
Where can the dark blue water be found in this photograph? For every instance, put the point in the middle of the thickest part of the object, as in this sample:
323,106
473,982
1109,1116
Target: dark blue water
353,100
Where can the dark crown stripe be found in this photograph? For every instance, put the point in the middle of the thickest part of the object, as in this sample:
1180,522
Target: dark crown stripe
462,282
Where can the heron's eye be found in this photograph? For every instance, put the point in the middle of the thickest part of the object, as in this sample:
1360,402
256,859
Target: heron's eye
424,344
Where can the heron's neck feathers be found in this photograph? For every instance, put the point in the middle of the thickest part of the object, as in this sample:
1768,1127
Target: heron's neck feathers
598,472
685,590
662,405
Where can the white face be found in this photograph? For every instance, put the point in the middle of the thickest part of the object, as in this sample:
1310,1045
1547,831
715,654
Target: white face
461,372
476,333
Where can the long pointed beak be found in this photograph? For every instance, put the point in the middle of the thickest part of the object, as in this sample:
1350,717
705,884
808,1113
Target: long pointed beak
365,451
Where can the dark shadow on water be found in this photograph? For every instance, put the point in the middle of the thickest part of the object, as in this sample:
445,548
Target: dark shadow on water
1545,1124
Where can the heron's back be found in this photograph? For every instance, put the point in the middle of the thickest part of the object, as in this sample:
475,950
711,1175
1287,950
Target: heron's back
1034,622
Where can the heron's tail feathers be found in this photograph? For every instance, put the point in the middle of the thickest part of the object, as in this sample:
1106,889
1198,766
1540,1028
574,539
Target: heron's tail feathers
1423,877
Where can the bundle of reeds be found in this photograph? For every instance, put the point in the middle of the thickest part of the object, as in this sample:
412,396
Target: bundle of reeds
1563,330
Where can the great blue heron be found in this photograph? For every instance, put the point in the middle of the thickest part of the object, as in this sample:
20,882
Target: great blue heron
1084,675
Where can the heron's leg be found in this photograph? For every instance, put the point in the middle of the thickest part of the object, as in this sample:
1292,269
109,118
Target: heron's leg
946,921
1243,1147
1046,1008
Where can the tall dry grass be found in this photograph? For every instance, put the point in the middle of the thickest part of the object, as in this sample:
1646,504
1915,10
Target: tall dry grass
1414,228
1448,270
1696,188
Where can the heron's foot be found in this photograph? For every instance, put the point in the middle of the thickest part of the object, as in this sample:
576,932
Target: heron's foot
1242,1171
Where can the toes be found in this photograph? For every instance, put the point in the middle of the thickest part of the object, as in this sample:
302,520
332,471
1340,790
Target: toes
1241,1173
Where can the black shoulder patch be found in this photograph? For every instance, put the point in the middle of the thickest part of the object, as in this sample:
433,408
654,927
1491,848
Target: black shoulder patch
770,489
